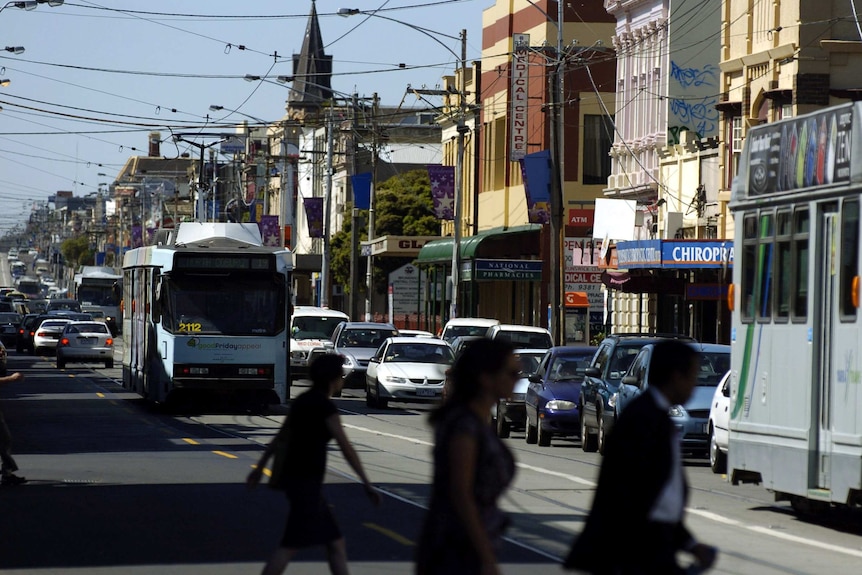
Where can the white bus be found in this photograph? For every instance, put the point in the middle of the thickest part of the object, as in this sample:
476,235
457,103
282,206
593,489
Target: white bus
796,378
206,311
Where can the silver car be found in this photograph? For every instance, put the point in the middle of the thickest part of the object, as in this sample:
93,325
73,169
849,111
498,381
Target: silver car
85,341
407,369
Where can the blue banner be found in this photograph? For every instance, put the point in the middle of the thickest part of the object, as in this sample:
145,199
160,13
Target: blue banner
675,254
361,190
536,172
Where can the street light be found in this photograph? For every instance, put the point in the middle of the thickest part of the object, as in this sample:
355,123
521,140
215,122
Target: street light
201,212
5,82
459,163
31,4
217,108
15,49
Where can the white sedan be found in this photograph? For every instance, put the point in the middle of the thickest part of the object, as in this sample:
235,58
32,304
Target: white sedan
48,334
407,369
719,420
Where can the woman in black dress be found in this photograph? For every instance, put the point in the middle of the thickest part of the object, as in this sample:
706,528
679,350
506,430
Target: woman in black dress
312,422
472,467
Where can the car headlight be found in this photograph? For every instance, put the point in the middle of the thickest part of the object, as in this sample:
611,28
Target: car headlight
395,379
612,400
347,361
560,405
676,411
297,355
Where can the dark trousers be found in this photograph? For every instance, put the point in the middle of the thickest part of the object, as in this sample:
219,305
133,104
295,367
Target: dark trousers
8,464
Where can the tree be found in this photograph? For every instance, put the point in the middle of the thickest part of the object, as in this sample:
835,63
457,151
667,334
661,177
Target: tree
403,207
77,252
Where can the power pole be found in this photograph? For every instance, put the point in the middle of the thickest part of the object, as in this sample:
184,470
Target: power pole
556,315
369,274
459,180
327,216
353,306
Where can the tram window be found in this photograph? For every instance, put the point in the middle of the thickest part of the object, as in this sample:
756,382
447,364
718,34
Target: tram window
782,266
849,257
749,262
801,228
765,265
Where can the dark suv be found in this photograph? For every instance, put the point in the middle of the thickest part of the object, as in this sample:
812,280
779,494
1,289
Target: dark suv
602,380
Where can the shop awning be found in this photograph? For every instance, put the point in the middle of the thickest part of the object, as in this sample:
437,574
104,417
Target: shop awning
440,251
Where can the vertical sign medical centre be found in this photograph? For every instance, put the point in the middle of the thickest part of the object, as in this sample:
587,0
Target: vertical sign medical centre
518,97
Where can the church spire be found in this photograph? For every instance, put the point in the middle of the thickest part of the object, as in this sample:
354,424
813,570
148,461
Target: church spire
312,70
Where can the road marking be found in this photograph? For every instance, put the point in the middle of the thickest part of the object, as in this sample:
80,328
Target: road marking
392,435
266,471
389,533
225,454
70,375
99,394
190,441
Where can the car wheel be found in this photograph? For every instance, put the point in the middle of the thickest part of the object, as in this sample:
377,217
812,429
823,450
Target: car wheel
109,364
19,348
717,458
504,428
588,442
61,364
532,435
34,351
543,438
369,399
381,403
600,436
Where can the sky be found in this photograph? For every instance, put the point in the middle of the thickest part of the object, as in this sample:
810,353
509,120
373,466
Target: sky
73,110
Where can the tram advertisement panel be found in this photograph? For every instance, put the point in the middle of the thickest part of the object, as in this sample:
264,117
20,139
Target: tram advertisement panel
805,152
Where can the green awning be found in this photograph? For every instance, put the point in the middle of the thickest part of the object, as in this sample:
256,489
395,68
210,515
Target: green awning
440,251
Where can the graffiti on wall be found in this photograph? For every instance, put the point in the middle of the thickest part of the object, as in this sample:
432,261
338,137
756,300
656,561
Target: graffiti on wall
692,101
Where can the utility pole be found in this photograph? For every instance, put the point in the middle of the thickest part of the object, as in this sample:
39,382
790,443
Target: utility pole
369,274
459,180
327,216
556,317
353,306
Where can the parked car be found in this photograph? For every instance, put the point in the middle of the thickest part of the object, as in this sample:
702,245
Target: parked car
356,342
48,334
511,411
522,336
10,323
719,425
85,341
552,397
602,380
691,419
407,369
469,326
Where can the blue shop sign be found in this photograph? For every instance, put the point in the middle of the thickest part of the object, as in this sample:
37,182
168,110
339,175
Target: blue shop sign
675,254
515,270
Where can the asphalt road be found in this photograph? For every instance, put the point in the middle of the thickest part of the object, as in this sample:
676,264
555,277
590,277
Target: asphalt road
117,486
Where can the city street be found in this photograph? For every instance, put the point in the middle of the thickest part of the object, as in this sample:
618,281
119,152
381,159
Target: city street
117,486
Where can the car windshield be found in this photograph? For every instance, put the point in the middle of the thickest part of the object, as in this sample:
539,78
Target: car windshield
532,339
530,362
623,357
455,331
713,366
569,367
6,317
418,353
86,328
311,327
52,323
364,337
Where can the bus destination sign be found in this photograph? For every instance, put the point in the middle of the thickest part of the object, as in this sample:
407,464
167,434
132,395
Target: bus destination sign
215,262
800,153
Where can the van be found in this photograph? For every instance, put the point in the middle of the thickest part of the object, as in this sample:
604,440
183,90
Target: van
466,326
311,328
522,336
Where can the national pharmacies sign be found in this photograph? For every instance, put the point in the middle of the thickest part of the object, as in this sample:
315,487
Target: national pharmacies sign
675,254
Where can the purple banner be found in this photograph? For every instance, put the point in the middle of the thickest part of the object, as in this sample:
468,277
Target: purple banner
269,231
536,172
314,215
137,237
443,190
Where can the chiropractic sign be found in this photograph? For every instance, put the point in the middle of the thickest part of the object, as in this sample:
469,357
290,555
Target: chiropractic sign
669,254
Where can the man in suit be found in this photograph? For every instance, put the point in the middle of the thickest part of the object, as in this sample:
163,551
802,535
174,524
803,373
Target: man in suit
636,524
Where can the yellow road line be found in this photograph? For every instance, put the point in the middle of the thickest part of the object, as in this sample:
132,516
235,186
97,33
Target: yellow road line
266,471
389,533
100,394
190,441
224,454
70,375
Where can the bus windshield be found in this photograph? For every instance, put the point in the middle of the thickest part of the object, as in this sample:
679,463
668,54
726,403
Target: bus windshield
231,304
98,295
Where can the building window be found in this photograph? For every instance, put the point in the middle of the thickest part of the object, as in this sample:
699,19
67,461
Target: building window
598,138
849,258
801,228
786,111
735,138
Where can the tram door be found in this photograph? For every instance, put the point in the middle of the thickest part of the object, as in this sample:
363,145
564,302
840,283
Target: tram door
826,267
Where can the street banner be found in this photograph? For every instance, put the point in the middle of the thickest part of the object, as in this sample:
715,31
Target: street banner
137,237
361,190
270,231
443,190
536,172
314,215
